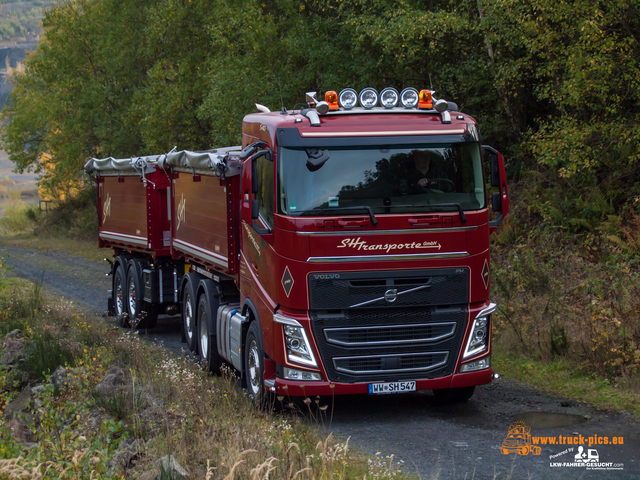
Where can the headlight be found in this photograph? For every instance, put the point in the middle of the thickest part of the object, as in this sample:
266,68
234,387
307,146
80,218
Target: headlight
389,97
368,98
293,374
297,343
409,98
477,365
479,336
348,98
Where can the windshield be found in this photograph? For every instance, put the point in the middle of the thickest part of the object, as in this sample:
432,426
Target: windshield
387,179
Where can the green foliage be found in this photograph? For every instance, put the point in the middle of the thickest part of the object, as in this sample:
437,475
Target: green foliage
44,354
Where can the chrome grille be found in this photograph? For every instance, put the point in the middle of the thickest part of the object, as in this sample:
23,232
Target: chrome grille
390,334
413,362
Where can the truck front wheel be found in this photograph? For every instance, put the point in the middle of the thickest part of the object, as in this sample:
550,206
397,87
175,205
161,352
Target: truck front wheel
454,395
254,364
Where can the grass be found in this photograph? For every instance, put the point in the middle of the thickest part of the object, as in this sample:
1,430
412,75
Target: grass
562,378
84,248
208,423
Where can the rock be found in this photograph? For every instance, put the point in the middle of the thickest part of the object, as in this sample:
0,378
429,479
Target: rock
169,465
126,453
74,347
58,377
13,345
37,389
19,404
17,333
171,468
19,427
112,382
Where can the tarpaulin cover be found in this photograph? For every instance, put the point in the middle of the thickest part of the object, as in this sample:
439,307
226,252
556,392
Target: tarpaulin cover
209,159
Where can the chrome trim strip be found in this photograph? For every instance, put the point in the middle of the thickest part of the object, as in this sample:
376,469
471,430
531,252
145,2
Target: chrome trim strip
457,131
383,258
286,320
124,238
201,252
421,287
392,342
390,232
397,370
487,311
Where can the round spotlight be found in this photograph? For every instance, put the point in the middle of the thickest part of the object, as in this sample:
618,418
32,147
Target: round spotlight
368,98
389,97
409,98
348,98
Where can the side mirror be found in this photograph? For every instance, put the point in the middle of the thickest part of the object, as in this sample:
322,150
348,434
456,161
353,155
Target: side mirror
496,202
254,177
499,200
495,165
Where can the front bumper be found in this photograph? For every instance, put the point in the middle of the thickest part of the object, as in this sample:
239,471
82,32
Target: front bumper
307,389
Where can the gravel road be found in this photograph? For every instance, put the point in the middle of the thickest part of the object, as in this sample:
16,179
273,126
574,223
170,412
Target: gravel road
435,441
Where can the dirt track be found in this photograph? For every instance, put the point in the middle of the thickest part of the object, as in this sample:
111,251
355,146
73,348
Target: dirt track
445,442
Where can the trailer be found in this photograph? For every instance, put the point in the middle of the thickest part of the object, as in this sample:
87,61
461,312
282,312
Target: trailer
341,249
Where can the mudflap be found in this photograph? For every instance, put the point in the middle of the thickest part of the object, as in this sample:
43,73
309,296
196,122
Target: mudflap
111,308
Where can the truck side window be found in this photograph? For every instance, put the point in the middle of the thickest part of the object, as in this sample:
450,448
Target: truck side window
264,170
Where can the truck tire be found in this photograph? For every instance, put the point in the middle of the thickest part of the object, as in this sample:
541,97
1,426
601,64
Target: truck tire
189,310
118,291
454,395
207,344
119,295
145,315
254,365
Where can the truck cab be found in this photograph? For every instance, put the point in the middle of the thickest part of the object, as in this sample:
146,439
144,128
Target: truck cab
364,254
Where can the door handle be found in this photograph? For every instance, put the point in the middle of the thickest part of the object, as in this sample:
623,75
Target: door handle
424,221
255,266
353,223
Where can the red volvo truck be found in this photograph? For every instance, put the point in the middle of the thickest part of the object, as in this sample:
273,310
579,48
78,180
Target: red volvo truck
342,249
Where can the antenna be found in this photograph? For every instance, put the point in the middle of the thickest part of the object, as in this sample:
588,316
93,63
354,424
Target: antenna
283,110
430,82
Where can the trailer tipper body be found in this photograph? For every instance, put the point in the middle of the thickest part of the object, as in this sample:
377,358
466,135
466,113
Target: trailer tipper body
339,250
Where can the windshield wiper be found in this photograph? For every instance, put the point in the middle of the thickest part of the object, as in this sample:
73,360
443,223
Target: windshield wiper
463,218
374,221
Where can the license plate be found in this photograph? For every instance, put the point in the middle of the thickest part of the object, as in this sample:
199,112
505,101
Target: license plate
391,387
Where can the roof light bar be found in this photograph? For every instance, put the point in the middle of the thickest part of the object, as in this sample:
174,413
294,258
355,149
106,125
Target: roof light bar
348,98
368,98
389,97
409,98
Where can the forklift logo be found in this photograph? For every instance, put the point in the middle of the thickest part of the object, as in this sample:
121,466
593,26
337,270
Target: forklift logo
180,215
106,208
519,440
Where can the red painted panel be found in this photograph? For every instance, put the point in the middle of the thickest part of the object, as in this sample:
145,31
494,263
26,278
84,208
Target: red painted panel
124,206
200,219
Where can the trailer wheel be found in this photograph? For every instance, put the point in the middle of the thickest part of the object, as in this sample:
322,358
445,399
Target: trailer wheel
254,365
119,297
118,291
145,316
206,338
454,395
189,305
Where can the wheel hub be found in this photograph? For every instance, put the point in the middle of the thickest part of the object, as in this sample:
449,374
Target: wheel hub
254,368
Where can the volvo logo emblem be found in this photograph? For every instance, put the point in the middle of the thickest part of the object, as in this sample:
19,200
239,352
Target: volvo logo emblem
391,295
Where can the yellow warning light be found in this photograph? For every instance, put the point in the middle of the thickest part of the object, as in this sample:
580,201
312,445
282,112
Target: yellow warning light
425,99
331,97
